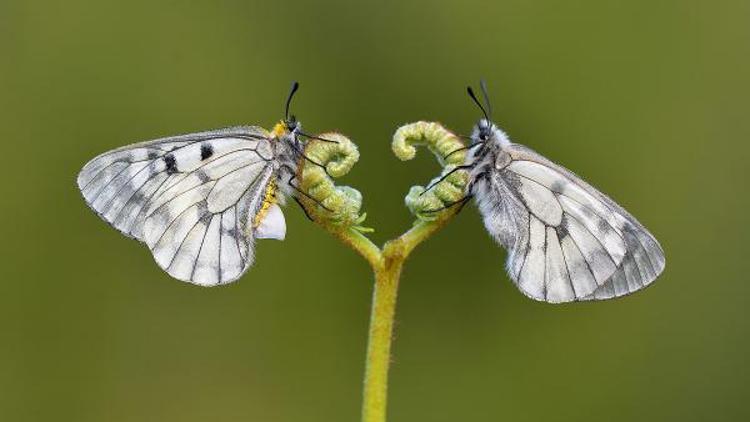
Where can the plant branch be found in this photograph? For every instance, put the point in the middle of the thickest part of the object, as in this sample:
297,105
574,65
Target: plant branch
362,245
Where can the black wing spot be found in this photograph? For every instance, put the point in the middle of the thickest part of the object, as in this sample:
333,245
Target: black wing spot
558,186
206,151
206,218
603,226
171,163
232,232
202,207
203,176
562,229
138,197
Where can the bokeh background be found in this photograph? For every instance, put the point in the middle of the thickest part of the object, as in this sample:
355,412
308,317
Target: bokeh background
648,100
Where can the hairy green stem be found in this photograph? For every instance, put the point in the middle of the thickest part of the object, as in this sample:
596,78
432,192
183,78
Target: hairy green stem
382,316
380,339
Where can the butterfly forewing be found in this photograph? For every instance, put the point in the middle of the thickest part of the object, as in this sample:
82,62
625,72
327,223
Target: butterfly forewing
567,241
190,198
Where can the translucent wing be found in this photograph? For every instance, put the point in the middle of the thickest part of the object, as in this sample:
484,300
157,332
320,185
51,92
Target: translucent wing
192,199
566,240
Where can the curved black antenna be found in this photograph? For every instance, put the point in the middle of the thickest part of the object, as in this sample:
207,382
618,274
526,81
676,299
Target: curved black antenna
483,85
295,87
476,101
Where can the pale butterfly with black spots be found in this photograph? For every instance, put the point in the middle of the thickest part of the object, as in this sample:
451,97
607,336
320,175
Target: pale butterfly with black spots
199,201
566,241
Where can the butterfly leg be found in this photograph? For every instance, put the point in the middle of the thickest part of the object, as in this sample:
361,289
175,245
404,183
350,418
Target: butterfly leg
315,137
468,147
461,203
305,194
302,153
307,214
445,176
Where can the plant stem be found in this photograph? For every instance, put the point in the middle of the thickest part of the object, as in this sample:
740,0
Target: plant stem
380,338
382,316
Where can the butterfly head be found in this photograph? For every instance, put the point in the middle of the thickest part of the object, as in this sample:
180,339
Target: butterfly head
483,130
486,132
292,124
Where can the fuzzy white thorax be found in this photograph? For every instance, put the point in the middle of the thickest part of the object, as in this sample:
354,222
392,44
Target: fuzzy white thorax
498,136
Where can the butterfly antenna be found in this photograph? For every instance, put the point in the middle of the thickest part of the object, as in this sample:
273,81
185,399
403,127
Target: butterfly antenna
483,85
295,87
476,101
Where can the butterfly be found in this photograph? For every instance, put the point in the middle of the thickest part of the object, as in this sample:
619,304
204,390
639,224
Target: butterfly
199,201
566,240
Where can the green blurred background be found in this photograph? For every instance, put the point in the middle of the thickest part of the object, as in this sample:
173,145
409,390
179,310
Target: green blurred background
648,100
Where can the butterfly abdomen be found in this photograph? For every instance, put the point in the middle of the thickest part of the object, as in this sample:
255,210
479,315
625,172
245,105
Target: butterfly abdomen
269,198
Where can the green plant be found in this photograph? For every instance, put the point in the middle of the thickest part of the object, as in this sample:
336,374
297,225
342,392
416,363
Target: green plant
337,209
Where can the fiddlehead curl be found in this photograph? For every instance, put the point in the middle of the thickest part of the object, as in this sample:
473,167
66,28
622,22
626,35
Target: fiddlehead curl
447,148
335,207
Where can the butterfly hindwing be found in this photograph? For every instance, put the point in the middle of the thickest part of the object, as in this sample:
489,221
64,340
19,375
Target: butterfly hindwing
566,240
192,199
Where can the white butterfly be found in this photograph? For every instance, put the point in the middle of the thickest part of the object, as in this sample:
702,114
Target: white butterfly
199,201
566,240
